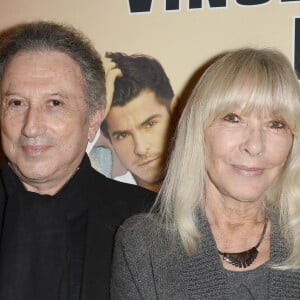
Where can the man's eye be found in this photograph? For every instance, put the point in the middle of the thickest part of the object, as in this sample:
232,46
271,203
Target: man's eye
232,117
150,123
15,103
121,136
55,102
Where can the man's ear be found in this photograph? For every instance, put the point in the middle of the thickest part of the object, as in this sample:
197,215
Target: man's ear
94,123
174,103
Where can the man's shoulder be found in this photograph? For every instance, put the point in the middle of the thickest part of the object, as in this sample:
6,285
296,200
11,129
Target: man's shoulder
119,187
119,195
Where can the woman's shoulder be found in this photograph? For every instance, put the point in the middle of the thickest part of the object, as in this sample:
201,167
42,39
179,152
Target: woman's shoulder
141,230
138,225
144,237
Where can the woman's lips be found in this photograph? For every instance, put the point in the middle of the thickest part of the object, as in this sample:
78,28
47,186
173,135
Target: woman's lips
248,171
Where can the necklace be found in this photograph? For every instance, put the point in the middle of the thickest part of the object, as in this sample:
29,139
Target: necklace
246,258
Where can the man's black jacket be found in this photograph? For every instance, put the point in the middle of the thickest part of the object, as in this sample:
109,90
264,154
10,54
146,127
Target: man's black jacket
60,247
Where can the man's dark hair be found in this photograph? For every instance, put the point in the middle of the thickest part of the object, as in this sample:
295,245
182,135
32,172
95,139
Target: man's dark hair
139,73
50,36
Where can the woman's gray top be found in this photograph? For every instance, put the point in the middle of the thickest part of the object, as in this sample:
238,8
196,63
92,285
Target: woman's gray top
249,284
145,266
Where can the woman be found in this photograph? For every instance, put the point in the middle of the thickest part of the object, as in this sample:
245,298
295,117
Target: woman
226,224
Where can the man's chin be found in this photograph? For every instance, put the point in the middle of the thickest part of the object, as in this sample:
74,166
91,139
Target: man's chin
147,180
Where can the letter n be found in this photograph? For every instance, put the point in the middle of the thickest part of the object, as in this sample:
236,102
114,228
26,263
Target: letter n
193,4
172,4
251,2
138,6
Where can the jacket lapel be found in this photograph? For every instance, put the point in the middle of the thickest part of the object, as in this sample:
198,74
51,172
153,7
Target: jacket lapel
3,199
99,241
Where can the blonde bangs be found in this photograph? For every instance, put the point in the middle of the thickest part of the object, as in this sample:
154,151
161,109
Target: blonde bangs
266,87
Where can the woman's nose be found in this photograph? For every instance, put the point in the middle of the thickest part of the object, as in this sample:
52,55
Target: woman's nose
254,142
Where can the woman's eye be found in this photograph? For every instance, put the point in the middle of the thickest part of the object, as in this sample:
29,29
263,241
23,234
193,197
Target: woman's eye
277,125
232,117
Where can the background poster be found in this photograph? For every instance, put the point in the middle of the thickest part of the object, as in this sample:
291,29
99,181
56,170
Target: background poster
182,35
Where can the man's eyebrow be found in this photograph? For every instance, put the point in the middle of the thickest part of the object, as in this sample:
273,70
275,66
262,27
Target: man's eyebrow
118,132
150,118
10,93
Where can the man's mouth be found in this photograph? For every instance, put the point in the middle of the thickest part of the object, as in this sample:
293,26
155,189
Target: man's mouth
149,162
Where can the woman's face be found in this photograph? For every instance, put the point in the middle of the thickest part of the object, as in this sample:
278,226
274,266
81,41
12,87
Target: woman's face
244,154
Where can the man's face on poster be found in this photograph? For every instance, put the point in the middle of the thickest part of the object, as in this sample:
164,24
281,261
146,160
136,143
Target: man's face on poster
138,133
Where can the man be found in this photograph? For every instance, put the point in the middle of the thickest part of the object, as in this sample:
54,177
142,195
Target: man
138,121
58,215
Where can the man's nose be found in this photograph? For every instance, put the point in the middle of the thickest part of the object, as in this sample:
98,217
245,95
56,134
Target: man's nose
141,145
34,123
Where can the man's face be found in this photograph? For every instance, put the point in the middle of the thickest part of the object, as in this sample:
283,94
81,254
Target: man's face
44,118
138,133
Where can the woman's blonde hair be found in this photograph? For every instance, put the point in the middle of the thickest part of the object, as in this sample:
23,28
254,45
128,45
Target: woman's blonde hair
265,80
